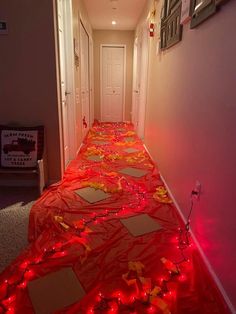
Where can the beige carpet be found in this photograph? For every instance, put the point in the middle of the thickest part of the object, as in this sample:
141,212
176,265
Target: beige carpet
15,204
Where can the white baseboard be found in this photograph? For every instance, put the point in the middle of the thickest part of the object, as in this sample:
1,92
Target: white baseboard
79,149
205,259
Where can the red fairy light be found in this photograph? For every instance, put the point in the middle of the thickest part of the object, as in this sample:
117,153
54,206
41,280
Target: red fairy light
38,260
151,309
182,278
29,274
23,285
24,265
10,310
8,302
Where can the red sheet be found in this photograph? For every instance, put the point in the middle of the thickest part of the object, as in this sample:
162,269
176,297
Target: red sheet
120,273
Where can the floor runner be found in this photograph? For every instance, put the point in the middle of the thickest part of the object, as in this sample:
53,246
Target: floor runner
110,231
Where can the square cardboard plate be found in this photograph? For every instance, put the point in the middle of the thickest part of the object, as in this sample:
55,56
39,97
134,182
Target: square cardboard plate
92,195
141,224
55,291
133,172
100,142
131,150
129,139
95,158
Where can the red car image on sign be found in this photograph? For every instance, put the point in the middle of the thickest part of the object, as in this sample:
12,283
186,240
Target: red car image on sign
20,145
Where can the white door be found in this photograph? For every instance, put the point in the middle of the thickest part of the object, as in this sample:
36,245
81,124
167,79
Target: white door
140,78
136,83
85,78
64,105
112,83
91,82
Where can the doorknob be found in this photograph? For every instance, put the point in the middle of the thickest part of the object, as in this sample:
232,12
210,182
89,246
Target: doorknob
67,93
136,91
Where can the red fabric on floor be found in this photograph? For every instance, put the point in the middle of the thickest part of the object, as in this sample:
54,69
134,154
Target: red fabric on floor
65,230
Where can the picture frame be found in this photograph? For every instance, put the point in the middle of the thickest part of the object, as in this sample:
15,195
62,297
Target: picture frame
201,10
21,147
171,29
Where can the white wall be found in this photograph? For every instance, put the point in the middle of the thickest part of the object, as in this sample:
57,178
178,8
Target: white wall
28,91
190,131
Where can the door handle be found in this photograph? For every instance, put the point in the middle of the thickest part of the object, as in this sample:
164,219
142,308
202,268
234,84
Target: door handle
136,91
67,93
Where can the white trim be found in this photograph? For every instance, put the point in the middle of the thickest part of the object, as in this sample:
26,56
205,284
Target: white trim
124,78
91,80
202,254
141,54
78,150
70,82
57,56
81,24
144,70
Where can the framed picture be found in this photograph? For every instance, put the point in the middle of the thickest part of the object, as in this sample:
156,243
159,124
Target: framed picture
201,10
21,147
171,29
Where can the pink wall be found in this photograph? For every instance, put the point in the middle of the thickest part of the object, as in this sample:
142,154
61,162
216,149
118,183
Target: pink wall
28,90
191,132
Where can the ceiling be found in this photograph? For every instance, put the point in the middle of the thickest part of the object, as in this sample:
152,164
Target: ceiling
126,13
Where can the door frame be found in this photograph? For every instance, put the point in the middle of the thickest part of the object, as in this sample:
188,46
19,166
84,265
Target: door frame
136,75
124,78
70,84
82,25
142,36
91,80
70,81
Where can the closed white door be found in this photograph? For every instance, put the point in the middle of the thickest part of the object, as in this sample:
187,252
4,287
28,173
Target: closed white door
64,104
112,83
136,84
85,78
140,78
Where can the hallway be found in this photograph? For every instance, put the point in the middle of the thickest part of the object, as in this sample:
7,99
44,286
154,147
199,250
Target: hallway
123,238
166,66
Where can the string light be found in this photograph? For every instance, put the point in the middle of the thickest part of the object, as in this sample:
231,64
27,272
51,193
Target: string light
58,249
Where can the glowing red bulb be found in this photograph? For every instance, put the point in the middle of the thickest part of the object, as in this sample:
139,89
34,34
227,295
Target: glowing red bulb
23,284
182,278
151,309
24,265
29,274
10,310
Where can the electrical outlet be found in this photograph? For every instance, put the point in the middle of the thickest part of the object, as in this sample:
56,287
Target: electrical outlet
197,190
